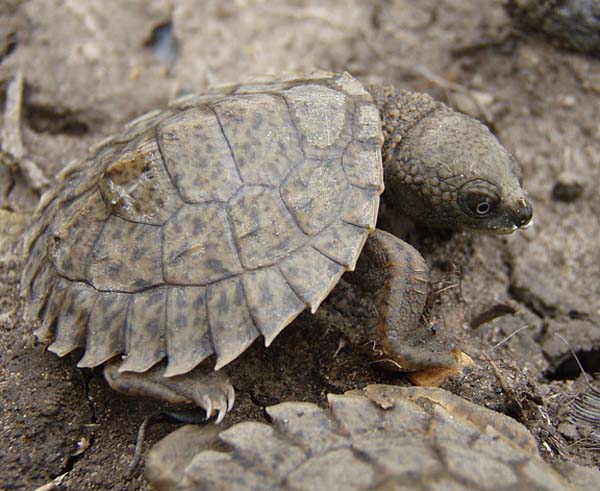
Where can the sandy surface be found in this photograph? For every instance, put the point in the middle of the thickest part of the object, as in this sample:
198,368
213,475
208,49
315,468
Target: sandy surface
90,66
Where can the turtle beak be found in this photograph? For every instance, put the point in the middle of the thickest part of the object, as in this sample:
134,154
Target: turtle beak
515,215
522,213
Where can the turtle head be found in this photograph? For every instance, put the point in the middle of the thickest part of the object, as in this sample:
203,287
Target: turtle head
449,171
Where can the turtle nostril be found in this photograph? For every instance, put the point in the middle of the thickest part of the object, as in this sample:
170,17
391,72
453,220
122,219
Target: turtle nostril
524,213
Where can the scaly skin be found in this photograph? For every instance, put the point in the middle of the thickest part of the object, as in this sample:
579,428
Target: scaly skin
382,437
121,264
440,168
445,169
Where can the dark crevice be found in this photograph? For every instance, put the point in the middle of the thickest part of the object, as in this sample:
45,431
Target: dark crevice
257,402
54,120
87,377
164,44
375,16
86,434
74,458
531,301
569,369
541,335
8,45
7,184
576,315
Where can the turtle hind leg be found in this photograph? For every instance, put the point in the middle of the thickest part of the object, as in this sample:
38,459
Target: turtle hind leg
399,273
204,387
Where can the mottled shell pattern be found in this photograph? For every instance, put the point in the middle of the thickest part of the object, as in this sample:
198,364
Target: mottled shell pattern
204,226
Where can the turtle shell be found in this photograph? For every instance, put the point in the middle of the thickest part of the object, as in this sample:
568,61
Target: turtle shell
204,226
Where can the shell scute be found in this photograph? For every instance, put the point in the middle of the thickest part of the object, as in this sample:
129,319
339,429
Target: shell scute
264,230
141,125
39,291
106,328
145,330
277,452
340,241
312,284
231,326
187,334
197,156
271,301
367,126
73,237
361,207
137,187
262,137
52,308
73,318
323,116
126,257
199,247
35,245
79,177
362,165
314,192
200,228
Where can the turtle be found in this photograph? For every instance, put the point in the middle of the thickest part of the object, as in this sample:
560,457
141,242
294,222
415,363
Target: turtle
199,228
376,438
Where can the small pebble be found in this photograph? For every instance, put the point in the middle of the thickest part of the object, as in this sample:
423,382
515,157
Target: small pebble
568,101
568,187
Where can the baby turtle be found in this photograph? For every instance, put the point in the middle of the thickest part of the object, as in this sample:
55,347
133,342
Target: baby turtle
378,438
200,228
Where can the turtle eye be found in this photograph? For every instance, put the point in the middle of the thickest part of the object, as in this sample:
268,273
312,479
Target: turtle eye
480,205
479,198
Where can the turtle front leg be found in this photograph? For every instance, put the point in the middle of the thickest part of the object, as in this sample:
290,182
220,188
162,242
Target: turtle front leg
399,273
204,387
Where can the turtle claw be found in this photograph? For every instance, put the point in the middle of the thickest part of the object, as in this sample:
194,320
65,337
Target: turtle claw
222,409
219,402
214,394
222,413
207,405
219,406
230,398
202,387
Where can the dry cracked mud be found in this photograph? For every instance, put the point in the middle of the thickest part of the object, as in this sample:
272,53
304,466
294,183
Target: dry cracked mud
90,67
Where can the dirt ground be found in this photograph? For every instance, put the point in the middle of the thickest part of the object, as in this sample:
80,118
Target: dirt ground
91,66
